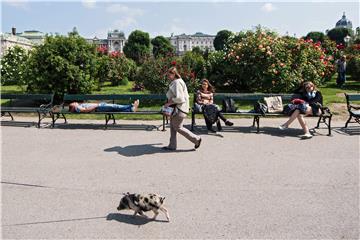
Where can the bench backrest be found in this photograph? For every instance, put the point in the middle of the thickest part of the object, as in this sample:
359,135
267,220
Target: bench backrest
44,98
352,96
252,97
112,97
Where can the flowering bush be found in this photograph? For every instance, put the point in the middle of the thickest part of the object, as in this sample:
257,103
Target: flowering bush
353,67
114,67
153,74
13,64
264,62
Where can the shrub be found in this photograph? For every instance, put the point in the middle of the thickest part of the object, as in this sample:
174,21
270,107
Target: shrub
353,67
13,66
152,74
62,65
264,62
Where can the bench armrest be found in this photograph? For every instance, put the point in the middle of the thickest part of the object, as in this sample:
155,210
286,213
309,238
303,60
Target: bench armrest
325,110
45,106
57,107
354,107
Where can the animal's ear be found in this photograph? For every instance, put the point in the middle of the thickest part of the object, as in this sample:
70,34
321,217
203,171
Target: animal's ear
162,199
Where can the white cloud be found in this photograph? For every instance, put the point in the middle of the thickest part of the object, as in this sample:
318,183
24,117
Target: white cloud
88,3
124,22
18,3
268,7
123,9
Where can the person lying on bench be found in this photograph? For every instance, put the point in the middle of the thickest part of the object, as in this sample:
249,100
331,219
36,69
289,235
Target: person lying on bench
204,98
309,104
102,107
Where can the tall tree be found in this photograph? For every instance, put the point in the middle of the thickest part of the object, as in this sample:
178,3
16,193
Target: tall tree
316,36
138,46
161,46
338,34
221,39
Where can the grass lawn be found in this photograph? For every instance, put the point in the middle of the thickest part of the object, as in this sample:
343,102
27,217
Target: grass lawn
333,97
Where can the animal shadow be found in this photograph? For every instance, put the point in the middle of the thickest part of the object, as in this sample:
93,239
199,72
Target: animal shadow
131,219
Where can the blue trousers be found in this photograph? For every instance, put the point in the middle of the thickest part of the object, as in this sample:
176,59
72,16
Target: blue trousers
341,78
108,107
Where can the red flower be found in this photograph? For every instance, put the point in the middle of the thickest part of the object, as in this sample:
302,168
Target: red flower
173,63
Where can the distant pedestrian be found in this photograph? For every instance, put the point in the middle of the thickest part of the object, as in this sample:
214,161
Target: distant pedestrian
178,98
341,69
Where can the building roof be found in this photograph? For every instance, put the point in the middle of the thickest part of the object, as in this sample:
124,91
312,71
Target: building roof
343,22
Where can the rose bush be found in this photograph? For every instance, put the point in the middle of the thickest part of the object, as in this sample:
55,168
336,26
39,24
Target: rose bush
152,74
262,61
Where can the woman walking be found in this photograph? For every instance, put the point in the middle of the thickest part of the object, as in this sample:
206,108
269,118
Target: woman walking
178,98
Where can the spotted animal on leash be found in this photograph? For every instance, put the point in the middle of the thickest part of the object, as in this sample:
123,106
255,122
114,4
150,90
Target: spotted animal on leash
141,203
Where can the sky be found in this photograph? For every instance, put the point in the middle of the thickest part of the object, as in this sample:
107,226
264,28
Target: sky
95,18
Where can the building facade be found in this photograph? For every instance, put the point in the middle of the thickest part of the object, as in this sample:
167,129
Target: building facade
115,41
10,40
26,40
184,43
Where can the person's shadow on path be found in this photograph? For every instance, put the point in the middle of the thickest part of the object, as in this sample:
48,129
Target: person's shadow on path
130,219
142,149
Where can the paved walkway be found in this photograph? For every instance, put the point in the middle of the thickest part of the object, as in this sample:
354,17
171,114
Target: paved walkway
66,182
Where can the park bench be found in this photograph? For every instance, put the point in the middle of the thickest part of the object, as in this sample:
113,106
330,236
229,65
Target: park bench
61,110
251,99
354,110
27,103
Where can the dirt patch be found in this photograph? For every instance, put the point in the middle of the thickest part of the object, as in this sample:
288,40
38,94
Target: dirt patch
339,110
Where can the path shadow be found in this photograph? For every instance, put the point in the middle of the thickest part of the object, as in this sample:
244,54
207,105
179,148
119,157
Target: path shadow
142,149
98,126
273,131
352,131
130,219
53,221
17,124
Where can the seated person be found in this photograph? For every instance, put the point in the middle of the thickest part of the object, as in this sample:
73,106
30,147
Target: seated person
102,107
204,97
309,103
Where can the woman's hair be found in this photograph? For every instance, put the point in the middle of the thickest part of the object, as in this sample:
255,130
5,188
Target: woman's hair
210,87
173,70
306,83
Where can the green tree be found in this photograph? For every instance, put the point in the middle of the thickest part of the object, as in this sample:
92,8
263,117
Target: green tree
138,46
316,36
338,34
161,46
62,65
221,39
13,65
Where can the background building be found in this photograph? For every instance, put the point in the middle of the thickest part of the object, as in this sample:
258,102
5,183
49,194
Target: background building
343,23
115,41
9,40
184,43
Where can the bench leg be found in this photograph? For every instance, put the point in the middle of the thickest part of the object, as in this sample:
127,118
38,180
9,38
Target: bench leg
39,114
257,119
107,118
318,123
163,128
347,122
329,125
3,114
192,121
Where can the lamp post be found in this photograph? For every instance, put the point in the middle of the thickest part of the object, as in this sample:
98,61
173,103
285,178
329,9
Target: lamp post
347,40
